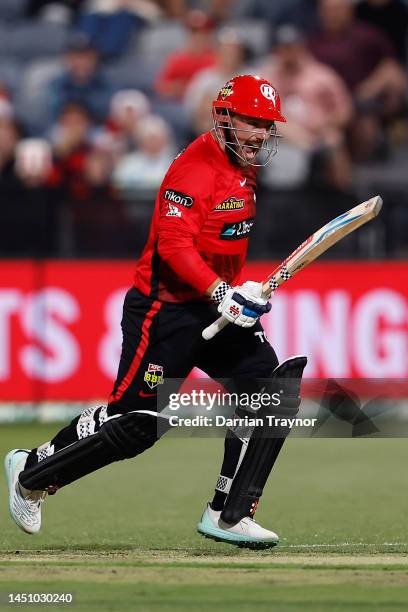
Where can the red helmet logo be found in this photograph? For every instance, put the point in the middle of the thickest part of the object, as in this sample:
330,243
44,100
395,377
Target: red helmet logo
269,92
226,91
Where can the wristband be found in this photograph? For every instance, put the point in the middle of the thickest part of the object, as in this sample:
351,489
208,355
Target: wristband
220,292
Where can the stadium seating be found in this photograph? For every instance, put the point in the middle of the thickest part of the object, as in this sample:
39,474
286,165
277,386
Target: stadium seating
11,10
160,40
36,39
134,72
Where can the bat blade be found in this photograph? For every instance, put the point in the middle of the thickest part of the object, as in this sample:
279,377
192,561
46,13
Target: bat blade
311,249
322,240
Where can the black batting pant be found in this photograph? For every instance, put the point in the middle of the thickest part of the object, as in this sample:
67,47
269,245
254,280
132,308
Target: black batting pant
164,339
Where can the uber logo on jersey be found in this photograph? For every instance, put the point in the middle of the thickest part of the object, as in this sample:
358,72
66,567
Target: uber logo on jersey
236,231
178,198
231,204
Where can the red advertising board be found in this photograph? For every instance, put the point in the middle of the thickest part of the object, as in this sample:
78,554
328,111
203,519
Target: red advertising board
60,323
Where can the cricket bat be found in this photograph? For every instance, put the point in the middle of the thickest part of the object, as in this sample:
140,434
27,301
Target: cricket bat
311,249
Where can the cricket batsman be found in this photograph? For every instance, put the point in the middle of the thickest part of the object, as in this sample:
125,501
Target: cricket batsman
188,274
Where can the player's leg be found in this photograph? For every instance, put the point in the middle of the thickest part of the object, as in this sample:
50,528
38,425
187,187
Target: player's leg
24,466
119,437
126,427
265,442
248,456
238,356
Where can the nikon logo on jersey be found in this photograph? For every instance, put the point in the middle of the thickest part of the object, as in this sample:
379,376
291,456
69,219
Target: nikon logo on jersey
236,231
178,198
231,204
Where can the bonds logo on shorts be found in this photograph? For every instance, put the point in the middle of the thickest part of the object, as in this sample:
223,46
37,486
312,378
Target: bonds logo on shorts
176,197
153,376
236,231
231,204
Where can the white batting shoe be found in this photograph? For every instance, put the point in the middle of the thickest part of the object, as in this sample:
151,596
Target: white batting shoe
247,533
24,505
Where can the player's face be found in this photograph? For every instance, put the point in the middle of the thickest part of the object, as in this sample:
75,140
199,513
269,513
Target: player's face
251,134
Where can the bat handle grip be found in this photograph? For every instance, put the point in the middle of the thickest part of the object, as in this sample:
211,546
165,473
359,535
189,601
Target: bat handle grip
213,329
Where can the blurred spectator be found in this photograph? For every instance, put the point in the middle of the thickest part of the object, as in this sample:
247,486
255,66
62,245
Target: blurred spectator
9,136
363,56
33,161
70,139
204,87
62,11
128,108
29,215
316,104
4,97
181,66
145,168
82,81
174,9
220,10
96,212
391,16
112,24
6,108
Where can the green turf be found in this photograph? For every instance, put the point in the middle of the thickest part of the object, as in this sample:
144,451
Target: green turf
124,538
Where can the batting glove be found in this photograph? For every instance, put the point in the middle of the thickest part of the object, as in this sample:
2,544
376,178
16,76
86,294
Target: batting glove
241,305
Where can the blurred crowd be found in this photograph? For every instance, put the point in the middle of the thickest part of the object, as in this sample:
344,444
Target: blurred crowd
98,96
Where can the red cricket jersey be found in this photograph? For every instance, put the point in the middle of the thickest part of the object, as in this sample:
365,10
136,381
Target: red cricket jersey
203,215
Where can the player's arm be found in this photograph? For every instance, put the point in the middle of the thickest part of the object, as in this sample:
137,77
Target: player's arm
185,201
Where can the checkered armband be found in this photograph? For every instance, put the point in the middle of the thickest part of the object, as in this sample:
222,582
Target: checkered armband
220,292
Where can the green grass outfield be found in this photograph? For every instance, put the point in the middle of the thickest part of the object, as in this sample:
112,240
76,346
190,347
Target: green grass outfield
124,538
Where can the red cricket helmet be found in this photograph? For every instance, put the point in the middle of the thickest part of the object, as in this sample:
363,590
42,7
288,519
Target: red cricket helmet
251,96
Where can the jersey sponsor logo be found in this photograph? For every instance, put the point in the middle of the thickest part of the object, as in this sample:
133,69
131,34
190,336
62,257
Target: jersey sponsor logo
268,92
231,204
176,197
236,231
173,211
153,376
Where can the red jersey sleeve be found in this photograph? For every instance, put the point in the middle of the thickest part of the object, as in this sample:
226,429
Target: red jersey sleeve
185,199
